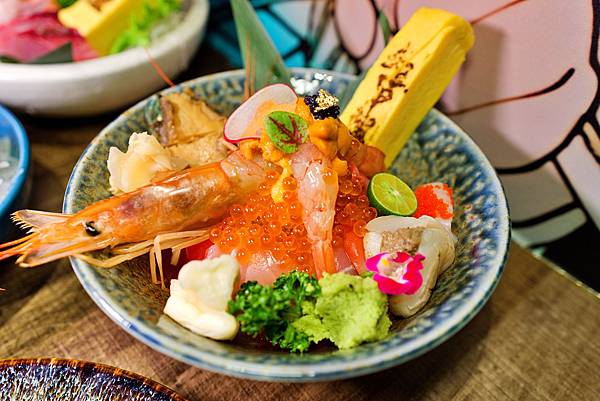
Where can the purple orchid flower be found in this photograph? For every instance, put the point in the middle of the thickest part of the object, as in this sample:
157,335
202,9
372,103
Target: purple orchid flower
397,273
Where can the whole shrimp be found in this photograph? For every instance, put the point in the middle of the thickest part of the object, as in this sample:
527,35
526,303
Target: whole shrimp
190,200
317,193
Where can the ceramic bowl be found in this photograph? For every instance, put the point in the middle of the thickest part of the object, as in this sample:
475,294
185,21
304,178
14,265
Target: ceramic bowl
54,379
18,192
438,151
106,83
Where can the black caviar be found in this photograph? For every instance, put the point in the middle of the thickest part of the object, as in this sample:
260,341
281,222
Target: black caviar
323,105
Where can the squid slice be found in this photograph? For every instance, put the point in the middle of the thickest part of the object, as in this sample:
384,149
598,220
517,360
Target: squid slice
425,236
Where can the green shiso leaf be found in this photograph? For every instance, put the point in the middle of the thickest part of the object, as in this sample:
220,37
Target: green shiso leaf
141,26
262,62
286,130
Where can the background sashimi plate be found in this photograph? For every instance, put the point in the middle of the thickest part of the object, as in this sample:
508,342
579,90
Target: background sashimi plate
106,83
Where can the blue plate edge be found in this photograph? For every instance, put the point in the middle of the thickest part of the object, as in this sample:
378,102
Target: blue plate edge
24,166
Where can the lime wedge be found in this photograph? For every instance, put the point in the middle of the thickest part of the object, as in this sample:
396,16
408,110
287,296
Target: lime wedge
390,195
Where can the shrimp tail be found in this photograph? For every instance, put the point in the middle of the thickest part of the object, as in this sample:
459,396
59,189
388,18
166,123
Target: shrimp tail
323,258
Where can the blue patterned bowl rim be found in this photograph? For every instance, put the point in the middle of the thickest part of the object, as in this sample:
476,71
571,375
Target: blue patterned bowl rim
33,371
305,372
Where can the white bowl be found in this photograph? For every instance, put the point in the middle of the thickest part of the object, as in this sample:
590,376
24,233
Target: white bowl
106,83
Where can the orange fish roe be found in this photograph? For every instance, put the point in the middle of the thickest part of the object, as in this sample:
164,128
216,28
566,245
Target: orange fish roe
261,225
431,202
352,209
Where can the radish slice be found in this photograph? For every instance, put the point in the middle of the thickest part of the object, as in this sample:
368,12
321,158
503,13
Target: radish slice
237,127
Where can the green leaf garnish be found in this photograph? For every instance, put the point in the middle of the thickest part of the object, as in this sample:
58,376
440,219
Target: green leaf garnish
286,130
140,29
262,62
270,311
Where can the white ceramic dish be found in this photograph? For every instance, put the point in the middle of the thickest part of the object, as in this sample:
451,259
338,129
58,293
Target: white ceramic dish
104,84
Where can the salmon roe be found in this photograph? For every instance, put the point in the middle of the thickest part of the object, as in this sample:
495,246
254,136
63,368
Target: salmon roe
352,208
261,225
429,203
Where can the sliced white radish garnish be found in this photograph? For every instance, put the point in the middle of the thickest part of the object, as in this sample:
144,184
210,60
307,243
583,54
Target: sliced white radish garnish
239,126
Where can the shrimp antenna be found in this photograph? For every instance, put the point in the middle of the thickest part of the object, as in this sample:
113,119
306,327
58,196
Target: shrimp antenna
161,73
17,242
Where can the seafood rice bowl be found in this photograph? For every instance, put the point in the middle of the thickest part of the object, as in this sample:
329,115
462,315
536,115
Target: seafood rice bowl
126,294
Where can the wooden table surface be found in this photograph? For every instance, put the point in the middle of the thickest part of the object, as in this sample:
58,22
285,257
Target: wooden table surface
538,337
